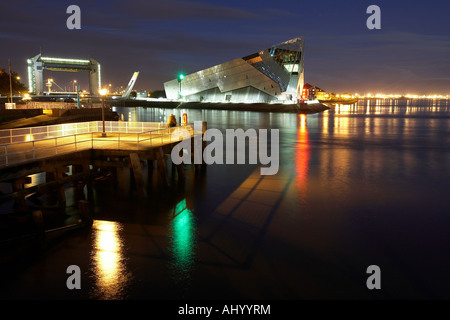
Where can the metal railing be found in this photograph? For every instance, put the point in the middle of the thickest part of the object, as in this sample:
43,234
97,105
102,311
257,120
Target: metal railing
42,142
58,130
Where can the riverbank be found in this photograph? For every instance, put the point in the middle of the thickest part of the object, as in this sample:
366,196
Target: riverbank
20,118
306,108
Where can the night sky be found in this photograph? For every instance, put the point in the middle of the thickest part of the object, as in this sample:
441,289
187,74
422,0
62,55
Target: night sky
410,54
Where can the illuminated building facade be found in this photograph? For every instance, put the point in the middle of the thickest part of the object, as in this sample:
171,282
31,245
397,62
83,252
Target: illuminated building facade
311,92
37,65
271,75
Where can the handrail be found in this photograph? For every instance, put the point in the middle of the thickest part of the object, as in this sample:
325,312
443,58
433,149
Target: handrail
19,152
8,136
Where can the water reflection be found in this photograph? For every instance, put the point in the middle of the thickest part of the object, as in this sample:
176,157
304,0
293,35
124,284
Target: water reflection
110,271
366,172
391,107
182,242
302,155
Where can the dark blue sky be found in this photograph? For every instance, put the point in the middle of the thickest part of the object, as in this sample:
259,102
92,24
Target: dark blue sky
410,54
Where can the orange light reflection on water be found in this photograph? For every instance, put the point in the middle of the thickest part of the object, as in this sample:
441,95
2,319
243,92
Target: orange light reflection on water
302,156
110,272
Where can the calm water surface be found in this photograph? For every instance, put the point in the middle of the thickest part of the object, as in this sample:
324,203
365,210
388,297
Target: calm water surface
358,185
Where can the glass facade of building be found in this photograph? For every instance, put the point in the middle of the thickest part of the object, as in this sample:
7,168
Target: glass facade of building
272,75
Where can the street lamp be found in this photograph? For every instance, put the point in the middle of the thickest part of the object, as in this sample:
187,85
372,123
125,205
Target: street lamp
180,78
103,93
74,84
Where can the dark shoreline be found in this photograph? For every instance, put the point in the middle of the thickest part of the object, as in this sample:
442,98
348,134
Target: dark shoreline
22,118
256,107
19,118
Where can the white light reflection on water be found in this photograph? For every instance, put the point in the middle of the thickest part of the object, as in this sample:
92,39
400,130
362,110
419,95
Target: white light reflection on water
111,275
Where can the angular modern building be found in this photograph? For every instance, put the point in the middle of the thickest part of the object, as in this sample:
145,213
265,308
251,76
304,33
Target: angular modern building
270,75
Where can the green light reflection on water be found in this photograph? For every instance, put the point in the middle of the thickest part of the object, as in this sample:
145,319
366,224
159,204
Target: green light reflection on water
182,241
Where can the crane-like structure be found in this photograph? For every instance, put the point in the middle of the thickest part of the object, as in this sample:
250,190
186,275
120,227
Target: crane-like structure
49,84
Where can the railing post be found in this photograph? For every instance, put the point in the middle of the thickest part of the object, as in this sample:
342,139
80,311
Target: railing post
75,142
34,151
56,144
6,155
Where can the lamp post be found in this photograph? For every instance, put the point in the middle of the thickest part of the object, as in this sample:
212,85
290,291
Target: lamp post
180,78
103,93
74,84
10,81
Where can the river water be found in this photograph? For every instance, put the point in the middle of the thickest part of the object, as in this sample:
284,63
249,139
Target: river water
358,185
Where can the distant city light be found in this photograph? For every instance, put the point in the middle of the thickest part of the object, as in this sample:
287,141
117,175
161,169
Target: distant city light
398,96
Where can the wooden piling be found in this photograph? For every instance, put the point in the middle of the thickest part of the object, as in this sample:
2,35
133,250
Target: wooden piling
162,168
87,165
38,219
137,173
18,186
85,213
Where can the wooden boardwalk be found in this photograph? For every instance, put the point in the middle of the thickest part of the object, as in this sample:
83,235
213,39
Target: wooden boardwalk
24,148
74,155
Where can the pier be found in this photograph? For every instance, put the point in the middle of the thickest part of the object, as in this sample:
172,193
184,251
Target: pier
74,155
